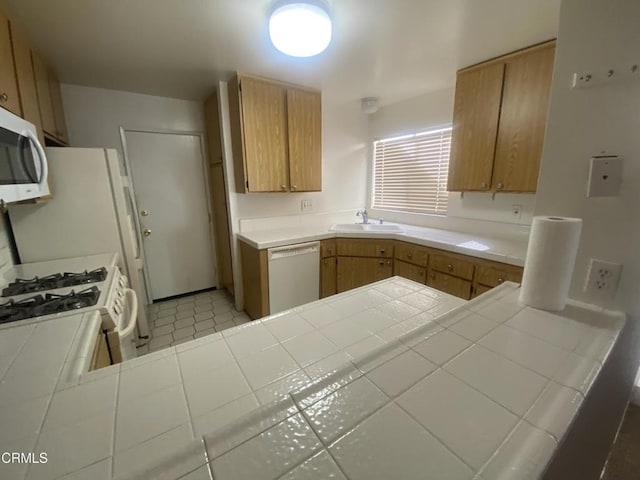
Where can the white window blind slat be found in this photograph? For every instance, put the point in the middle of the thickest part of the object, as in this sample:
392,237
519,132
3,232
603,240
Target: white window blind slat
410,172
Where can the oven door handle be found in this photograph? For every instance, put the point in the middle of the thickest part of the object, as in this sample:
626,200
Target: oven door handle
44,166
132,303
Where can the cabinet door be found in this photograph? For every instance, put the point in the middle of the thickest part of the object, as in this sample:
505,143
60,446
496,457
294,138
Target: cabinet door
494,275
412,272
449,284
304,111
43,89
264,118
328,248
475,125
9,98
26,80
58,108
327,277
523,117
354,272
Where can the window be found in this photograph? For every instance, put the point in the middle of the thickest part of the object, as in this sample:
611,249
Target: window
410,172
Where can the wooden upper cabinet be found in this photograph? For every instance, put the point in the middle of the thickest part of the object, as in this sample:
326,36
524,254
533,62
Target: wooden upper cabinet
43,88
264,114
9,98
305,140
276,133
58,108
523,117
476,113
499,120
26,80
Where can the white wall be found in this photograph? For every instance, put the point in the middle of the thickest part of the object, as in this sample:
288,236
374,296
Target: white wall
596,35
95,115
344,169
428,111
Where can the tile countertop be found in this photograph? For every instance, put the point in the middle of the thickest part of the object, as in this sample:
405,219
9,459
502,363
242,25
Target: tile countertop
390,380
508,249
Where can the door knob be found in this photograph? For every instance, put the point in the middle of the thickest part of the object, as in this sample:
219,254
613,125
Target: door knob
144,213
146,232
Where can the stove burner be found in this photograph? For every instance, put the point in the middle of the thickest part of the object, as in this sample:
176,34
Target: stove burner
49,304
51,282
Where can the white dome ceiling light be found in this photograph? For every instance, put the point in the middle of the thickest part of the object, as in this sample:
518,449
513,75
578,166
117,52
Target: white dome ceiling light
300,28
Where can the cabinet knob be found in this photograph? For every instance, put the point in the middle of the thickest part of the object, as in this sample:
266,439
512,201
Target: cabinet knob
409,256
326,262
283,187
500,280
294,187
382,251
4,97
483,185
450,267
382,263
500,186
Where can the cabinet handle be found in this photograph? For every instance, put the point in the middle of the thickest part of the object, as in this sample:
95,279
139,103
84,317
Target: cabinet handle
283,187
483,185
381,263
500,280
325,262
4,97
294,187
409,256
450,267
388,262
500,186
382,251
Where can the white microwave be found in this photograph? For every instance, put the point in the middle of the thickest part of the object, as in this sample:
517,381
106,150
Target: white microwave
23,162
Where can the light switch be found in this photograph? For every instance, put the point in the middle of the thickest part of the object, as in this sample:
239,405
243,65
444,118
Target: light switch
605,176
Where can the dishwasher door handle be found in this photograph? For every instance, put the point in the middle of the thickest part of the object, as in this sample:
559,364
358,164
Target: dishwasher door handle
293,250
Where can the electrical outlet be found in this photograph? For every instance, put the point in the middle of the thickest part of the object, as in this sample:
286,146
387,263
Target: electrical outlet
306,205
602,279
516,211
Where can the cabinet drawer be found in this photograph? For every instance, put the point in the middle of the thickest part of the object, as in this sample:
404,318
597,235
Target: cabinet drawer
352,272
364,248
412,272
328,248
452,265
411,254
492,276
449,284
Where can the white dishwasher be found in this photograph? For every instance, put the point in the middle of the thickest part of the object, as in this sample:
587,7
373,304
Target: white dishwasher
294,275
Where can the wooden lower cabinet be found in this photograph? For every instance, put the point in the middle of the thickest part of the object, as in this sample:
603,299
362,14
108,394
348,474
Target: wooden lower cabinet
255,280
412,272
353,272
328,277
449,284
479,290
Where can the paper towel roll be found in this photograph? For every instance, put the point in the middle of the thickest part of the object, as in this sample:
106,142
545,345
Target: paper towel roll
551,256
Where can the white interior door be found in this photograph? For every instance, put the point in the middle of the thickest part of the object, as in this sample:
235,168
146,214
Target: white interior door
169,185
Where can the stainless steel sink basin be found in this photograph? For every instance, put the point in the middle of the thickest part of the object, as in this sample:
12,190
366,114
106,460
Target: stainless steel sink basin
369,228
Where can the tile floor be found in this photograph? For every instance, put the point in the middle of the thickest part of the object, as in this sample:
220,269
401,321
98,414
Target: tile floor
179,320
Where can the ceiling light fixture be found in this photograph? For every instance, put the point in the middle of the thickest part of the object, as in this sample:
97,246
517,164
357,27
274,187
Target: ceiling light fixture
300,29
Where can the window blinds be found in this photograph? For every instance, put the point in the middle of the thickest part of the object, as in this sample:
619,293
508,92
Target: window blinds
410,172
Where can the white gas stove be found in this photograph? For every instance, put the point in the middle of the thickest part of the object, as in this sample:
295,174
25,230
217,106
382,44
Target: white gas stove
41,291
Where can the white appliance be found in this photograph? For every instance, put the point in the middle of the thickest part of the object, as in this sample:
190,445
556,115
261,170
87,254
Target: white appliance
294,275
91,212
116,303
23,162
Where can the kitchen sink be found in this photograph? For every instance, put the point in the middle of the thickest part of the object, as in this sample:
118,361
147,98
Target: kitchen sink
369,228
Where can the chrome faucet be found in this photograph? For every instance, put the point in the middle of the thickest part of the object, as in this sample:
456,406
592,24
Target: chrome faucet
365,216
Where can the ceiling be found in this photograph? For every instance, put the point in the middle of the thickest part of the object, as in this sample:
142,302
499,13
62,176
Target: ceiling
392,49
